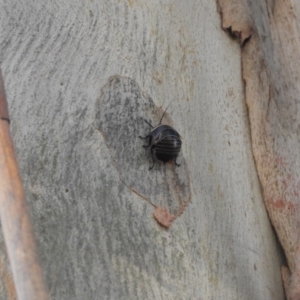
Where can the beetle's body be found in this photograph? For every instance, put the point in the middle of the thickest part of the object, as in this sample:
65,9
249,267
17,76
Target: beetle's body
164,143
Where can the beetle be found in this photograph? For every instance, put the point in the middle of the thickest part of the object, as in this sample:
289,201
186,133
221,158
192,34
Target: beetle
164,143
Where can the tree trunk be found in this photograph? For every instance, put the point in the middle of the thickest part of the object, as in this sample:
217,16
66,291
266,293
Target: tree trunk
82,76
269,35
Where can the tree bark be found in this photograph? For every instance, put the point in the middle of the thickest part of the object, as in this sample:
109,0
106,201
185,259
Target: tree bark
80,78
15,219
269,35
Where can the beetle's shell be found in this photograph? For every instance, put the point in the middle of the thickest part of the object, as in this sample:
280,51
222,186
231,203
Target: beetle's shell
168,148
165,143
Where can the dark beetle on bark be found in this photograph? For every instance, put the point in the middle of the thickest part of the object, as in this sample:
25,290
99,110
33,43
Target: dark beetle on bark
164,143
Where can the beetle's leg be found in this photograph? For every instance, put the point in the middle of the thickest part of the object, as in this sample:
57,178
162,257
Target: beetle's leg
176,164
146,137
153,160
150,168
143,138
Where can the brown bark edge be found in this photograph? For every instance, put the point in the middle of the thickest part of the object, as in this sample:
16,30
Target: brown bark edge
15,218
3,104
272,30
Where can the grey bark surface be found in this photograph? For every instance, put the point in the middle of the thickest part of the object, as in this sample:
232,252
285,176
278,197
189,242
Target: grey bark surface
92,201
122,112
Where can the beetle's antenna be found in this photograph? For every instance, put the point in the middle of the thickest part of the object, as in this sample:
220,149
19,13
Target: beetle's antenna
148,123
165,112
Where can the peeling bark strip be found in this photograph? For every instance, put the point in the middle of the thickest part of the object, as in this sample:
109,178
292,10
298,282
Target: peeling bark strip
272,83
235,19
16,222
120,113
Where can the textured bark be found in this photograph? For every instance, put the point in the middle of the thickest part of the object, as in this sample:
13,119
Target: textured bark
95,206
270,59
121,112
